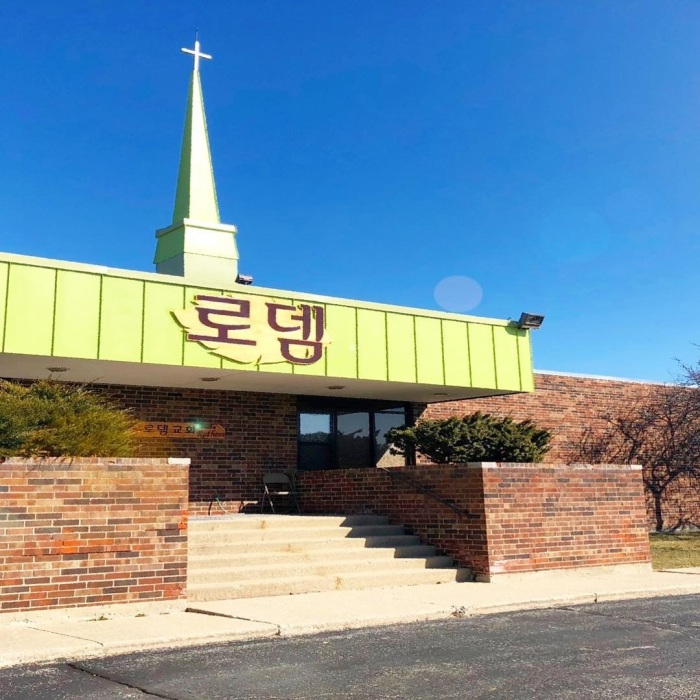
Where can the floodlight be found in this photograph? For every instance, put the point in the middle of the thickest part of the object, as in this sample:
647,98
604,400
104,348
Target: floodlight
530,321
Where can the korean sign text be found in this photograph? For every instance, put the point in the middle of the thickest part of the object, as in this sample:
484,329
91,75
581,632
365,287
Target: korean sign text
256,330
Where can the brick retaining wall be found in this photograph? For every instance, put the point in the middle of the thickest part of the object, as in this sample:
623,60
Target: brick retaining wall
560,403
557,516
566,405
516,517
361,491
261,434
92,531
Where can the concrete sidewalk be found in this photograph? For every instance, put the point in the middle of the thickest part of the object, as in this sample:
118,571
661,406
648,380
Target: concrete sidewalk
101,631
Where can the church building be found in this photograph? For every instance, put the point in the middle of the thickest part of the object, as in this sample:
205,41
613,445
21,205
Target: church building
239,378
232,383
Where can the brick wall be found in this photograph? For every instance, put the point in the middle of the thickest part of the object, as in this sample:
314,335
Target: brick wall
260,434
514,518
542,517
566,405
353,491
92,531
561,403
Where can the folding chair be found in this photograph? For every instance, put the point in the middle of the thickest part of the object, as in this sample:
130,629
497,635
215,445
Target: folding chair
279,486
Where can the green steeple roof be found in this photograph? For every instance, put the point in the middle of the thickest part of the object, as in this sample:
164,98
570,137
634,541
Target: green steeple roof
196,191
197,245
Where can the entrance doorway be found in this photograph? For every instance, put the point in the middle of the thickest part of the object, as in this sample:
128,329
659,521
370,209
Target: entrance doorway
345,434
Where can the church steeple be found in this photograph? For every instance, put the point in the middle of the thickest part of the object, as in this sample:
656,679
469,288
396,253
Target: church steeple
196,245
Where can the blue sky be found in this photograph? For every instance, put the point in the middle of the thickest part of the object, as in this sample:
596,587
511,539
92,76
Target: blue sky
550,151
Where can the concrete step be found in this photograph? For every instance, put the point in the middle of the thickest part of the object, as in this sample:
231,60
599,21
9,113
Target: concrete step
227,559
298,569
297,534
203,547
313,584
284,522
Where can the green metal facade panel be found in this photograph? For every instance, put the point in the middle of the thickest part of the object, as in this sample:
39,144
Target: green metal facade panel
371,346
163,340
195,355
97,315
482,357
507,361
455,344
341,353
29,321
4,268
77,324
121,319
318,369
527,378
429,360
401,347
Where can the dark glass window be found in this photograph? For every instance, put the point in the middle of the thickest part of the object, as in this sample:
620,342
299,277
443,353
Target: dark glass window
346,433
315,440
383,422
353,439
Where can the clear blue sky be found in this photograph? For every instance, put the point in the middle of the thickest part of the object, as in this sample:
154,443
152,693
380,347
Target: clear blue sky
548,150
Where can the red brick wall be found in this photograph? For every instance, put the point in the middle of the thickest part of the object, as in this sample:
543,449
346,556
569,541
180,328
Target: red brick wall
566,405
91,531
261,432
563,404
558,516
352,491
517,517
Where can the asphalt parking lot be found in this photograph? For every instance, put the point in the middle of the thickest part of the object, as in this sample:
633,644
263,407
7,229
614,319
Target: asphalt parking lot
634,649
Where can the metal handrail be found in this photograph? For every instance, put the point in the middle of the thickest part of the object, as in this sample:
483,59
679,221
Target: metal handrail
424,490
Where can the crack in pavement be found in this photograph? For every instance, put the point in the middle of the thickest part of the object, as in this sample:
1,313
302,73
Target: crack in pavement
199,611
131,686
665,626
63,634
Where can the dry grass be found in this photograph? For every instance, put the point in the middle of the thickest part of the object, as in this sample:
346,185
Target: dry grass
675,551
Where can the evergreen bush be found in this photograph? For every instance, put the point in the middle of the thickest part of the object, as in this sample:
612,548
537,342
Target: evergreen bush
49,418
478,437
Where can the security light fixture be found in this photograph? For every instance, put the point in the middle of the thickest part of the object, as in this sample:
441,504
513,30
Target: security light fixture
336,387
530,321
440,393
57,370
244,279
210,379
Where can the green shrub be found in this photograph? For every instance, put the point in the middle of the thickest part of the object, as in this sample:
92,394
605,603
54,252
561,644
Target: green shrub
54,419
475,438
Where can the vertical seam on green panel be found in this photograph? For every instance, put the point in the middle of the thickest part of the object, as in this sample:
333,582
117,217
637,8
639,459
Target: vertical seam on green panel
293,365
99,318
520,364
495,359
530,367
7,306
183,332
53,310
324,353
415,350
222,293
469,355
442,353
143,320
386,345
356,311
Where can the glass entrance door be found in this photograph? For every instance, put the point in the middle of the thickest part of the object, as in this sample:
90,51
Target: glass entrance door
316,441
347,433
353,439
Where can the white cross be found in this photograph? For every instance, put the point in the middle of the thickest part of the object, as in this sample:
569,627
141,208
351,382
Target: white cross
196,53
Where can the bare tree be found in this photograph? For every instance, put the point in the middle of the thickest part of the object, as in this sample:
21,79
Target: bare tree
660,431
